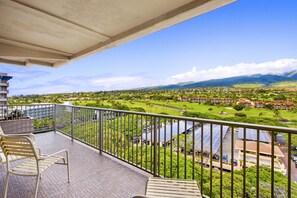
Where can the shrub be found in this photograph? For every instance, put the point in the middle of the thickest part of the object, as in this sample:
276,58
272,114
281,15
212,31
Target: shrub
239,107
138,109
242,115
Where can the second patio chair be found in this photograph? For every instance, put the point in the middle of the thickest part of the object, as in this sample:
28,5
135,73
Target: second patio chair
34,165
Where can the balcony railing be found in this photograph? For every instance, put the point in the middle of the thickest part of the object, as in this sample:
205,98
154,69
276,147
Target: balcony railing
227,159
27,118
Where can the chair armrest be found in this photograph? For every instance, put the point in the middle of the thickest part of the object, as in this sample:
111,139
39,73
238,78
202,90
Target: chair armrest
39,151
47,156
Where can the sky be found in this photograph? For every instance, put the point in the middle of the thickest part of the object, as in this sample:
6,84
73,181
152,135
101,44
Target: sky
244,38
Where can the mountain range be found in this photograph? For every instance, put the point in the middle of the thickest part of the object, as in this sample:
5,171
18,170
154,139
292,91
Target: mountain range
288,79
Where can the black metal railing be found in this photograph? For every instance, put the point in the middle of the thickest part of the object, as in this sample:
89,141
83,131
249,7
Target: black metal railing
227,159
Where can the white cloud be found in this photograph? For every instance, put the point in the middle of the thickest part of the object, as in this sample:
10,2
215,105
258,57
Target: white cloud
116,81
107,82
84,83
271,67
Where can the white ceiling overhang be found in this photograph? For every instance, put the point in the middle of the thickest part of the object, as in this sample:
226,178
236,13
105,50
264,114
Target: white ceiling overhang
55,32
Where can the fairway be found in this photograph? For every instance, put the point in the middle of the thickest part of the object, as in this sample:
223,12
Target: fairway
176,108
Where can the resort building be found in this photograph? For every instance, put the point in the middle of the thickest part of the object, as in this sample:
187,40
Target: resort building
259,104
206,130
221,100
246,102
4,78
163,136
265,150
283,105
39,111
199,100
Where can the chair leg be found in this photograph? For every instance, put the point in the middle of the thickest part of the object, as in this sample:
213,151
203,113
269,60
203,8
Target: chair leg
68,169
36,187
6,185
68,172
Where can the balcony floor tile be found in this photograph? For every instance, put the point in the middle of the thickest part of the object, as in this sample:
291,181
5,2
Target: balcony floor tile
92,175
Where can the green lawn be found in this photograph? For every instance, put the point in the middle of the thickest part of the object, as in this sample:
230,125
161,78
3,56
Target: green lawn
174,108
249,85
151,108
285,84
216,110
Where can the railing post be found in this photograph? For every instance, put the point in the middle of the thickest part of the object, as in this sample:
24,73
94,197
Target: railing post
155,146
72,123
55,117
100,132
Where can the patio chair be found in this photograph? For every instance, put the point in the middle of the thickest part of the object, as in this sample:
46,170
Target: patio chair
13,157
34,164
157,187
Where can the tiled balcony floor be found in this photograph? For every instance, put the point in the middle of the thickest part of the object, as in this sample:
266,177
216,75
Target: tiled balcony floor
92,175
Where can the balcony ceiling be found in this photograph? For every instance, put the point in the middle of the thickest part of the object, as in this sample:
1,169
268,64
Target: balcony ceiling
53,33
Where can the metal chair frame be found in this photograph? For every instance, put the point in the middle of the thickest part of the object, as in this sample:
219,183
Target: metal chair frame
35,164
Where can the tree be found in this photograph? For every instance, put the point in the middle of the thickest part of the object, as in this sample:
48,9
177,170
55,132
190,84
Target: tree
277,113
280,97
239,107
269,106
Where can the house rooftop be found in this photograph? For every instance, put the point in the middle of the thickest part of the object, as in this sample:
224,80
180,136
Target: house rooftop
265,149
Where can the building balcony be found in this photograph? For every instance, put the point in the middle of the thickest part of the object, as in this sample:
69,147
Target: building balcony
4,84
3,91
3,99
113,152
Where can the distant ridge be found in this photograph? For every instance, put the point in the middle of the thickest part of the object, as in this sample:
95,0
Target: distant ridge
267,80
292,74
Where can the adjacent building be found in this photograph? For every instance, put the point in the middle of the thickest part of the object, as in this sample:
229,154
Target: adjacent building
265,149
38,111
4,78
166,134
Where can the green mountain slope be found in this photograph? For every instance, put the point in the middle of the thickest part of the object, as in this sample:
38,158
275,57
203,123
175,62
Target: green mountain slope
268,80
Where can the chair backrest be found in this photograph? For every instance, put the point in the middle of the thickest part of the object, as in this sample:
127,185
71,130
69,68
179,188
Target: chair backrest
17,145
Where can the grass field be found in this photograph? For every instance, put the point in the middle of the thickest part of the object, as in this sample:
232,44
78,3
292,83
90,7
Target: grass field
216,110
151,108
285,84
174,108
135,104
250,85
